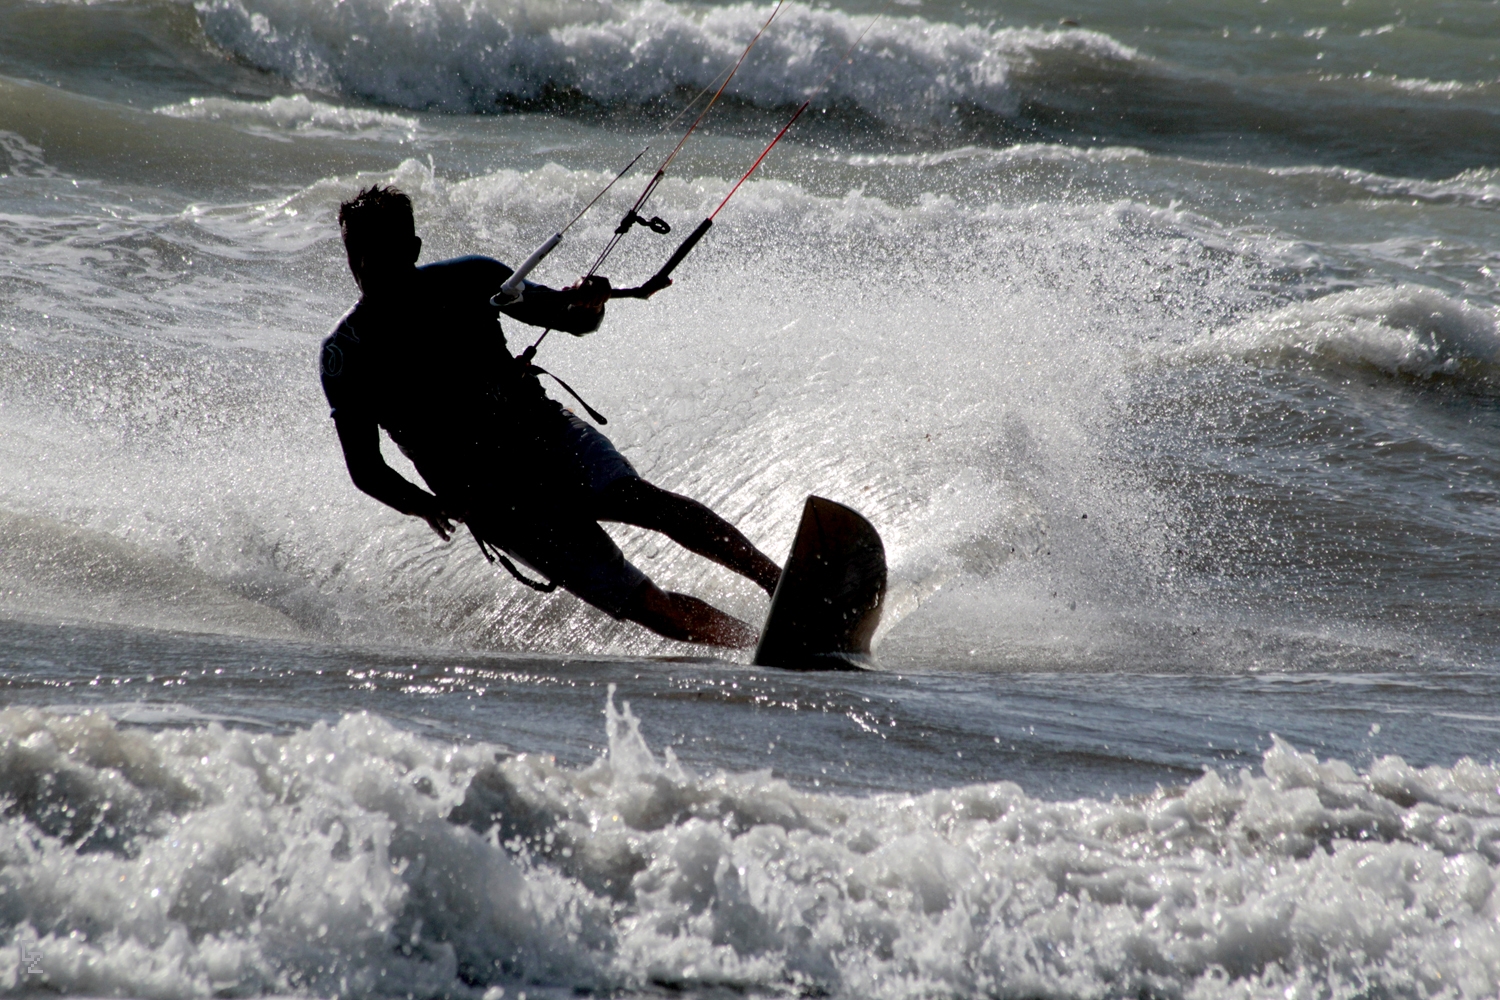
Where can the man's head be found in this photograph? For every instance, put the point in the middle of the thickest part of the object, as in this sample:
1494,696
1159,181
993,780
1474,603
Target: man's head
380,236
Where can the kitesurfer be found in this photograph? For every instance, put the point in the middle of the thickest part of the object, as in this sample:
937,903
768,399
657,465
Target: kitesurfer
423,356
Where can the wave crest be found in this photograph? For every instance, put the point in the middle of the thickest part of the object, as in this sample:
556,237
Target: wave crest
489,54
1406,330
296,114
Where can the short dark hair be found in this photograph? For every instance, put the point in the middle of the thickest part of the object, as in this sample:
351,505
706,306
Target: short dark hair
376,214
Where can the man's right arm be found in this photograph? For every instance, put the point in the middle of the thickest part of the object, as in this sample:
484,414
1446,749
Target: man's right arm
577,310
360,438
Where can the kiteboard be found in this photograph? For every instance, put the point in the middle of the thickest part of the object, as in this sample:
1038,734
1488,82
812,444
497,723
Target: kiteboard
827,605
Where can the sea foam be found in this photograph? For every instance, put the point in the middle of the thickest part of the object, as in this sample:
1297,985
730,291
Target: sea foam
356,859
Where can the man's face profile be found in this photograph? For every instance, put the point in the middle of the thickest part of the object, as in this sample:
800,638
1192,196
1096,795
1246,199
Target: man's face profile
376,260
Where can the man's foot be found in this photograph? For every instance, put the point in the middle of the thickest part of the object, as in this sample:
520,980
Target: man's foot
769,581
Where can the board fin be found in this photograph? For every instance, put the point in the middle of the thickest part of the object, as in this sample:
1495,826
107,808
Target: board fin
827,605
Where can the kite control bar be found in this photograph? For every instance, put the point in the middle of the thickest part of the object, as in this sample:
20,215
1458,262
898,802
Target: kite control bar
661,279
510,291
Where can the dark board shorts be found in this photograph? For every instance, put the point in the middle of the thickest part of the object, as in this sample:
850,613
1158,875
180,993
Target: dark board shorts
569,548
602,462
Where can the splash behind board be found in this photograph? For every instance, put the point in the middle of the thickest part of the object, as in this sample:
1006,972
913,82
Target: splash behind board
826,608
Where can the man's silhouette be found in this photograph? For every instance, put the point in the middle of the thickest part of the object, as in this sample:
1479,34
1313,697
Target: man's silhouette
423,356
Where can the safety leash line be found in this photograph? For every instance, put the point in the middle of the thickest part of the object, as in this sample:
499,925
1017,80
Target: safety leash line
660,277
513,286
493,554
632,217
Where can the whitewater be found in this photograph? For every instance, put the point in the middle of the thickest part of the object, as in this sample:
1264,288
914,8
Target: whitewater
1161,345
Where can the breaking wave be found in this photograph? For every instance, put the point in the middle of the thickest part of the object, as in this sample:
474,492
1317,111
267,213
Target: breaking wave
490,55
1406,330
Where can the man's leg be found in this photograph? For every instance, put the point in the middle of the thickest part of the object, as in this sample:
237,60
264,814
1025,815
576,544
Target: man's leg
632,500
686,619
575,553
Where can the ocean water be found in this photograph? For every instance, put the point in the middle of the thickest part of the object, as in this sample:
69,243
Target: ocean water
1158,339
